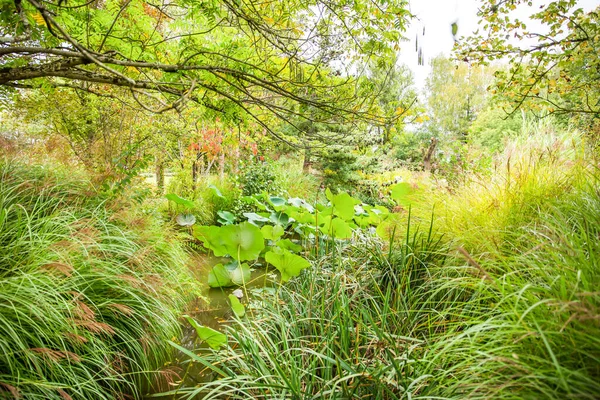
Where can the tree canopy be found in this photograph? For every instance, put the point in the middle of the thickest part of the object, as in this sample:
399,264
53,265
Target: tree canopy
237,57
554,68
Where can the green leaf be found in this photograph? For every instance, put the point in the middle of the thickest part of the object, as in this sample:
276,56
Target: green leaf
219,276
237,307
338,228
400,190
279,218
216,191
226,218
389,228
211,337
298,202
179,200
278,203
343,205
272,232
287,244
185,220
254,201
253,218
241,274
287,263
212,238
244,240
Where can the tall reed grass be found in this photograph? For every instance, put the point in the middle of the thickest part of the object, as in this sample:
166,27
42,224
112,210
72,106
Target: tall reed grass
86,303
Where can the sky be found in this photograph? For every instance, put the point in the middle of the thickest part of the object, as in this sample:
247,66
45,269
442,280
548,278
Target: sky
437,16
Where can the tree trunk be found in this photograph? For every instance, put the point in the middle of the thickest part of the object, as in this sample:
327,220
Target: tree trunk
160,175
429,154
307,162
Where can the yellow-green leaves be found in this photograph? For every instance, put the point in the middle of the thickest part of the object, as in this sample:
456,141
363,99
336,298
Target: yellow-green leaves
272,232
238,308
288,264
214,339
343,204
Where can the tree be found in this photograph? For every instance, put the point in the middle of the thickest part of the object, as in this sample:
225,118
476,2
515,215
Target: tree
456,93
396,96
555,69
240,58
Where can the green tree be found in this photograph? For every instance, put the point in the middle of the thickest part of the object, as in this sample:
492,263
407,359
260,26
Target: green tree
396,97
243,59
456,93
554,68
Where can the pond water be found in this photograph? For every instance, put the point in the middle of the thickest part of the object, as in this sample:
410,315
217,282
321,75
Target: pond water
212,309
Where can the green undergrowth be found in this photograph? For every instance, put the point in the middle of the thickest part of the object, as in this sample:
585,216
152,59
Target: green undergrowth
498,300
89,289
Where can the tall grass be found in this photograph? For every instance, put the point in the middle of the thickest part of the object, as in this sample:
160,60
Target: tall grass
86,303
506,305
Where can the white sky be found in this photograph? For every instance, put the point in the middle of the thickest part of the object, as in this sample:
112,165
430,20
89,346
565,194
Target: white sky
437,17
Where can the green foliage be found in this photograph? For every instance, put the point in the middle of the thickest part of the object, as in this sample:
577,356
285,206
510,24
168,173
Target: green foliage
501,306
219,276
288,264
456,93
214,339
493,128
179,200
340,168
258,177
238,308
563,51
87,300
242,241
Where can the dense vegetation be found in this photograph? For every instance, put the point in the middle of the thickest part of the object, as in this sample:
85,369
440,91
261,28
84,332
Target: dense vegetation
254,200
85,311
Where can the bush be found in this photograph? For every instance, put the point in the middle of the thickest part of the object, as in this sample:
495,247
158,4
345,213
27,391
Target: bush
86,303
258,177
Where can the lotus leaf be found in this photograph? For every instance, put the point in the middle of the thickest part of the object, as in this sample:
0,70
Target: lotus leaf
287,263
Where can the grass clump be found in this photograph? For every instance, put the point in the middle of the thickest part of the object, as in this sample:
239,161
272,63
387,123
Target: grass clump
86,303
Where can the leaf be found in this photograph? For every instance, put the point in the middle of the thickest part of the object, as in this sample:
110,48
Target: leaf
219,277
216,191
287,244
238,308
338,228
343,205
399,191
388,228
226,218
272,232
287,263
213,239
297,202
185,220
254,201
278,203
38,18
241,274
254,217
211,337
279,218
179,200
242,242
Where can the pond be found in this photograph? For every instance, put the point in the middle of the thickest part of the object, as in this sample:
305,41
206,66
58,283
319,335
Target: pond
211,309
